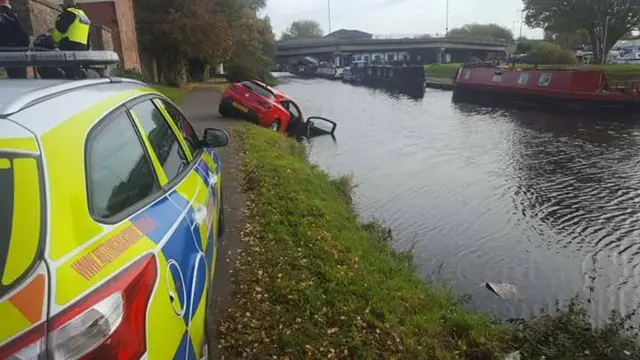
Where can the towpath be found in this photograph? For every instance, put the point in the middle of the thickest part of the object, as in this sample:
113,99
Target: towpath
200,105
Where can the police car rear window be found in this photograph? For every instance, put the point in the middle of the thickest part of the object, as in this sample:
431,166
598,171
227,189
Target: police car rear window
21,220
258,89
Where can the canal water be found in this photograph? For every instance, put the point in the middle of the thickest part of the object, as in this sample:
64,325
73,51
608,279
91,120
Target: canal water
547,203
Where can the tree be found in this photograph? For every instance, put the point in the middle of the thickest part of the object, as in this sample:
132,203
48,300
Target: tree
253,40
549,53
524,45
303,29
482,30
604,22
171,31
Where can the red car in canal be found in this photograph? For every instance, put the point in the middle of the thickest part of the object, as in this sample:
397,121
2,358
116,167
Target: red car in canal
254,101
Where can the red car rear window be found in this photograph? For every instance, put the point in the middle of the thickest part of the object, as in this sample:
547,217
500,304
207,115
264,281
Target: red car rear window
258,90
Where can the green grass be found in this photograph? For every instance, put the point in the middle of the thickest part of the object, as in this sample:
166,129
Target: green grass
441,70
315,283
613,72
175,94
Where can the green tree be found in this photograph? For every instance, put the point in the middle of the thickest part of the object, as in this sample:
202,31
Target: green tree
171,31
303,29
482,30
253,52
546,53
604,22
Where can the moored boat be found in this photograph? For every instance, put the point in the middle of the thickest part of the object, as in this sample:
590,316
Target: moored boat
573,87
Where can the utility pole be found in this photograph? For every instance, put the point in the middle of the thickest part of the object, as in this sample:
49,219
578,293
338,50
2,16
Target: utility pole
521,22
329,7
446,29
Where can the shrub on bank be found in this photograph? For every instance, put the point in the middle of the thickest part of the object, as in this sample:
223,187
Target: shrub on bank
314,282
549,53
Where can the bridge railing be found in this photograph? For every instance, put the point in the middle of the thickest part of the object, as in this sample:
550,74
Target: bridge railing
405,38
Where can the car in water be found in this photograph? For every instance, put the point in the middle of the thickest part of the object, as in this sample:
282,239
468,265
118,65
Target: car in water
255,101
261,104
110,215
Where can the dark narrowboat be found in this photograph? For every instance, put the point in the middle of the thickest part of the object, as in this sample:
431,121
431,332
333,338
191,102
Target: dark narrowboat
411,78
576,88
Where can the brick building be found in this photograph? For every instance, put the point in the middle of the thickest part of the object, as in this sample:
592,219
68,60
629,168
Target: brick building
118,16
113,25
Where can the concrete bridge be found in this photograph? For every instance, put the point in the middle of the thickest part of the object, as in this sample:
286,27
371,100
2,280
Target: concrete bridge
412,50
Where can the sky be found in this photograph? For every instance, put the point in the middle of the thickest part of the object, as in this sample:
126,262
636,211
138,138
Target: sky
398,17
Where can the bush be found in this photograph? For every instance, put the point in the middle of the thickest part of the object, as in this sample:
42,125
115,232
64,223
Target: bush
548,53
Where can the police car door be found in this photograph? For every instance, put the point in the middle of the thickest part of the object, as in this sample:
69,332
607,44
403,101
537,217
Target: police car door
184,248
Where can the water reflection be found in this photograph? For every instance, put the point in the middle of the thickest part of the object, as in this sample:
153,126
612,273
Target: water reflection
541,201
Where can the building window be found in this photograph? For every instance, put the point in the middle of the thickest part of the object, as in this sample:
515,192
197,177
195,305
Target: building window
544,80
369,71
524,79
119,173
366,58
390,72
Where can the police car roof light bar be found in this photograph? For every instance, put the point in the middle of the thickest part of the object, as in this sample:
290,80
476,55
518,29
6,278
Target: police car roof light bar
57,58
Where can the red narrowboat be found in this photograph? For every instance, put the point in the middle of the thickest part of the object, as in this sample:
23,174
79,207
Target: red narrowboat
575,87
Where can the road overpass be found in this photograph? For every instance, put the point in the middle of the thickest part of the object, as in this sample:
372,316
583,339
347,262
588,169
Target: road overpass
414,50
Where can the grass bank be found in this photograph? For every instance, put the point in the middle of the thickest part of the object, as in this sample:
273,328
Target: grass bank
175,94
314,282
613,72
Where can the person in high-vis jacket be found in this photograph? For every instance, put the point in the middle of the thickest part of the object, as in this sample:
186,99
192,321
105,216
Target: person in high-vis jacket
71,33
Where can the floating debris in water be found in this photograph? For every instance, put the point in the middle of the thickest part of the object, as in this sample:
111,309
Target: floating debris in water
504,291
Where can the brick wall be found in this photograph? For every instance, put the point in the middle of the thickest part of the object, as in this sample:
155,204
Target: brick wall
118,16
37,16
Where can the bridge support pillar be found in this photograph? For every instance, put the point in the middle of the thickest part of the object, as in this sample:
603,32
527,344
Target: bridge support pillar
337,59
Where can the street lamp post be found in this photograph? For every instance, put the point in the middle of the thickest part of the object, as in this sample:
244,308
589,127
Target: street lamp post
329,12
446,29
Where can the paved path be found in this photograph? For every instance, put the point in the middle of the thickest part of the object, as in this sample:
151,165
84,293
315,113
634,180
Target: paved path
201,108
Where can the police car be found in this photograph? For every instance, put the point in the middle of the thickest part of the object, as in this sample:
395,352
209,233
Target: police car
110,211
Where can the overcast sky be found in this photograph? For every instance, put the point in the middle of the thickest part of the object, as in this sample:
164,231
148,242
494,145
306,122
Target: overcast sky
398,17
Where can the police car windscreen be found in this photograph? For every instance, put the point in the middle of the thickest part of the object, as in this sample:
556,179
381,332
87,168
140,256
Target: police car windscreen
20,218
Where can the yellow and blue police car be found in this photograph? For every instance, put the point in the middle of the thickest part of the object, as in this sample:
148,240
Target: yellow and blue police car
110,212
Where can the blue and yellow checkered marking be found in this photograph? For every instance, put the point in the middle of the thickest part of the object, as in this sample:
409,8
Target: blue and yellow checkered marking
182,247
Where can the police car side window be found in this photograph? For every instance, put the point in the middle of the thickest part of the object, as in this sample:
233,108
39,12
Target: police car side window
186,129
163,140
119,173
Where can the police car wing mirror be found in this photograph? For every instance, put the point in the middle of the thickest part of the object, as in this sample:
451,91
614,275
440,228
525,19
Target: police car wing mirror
214,137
